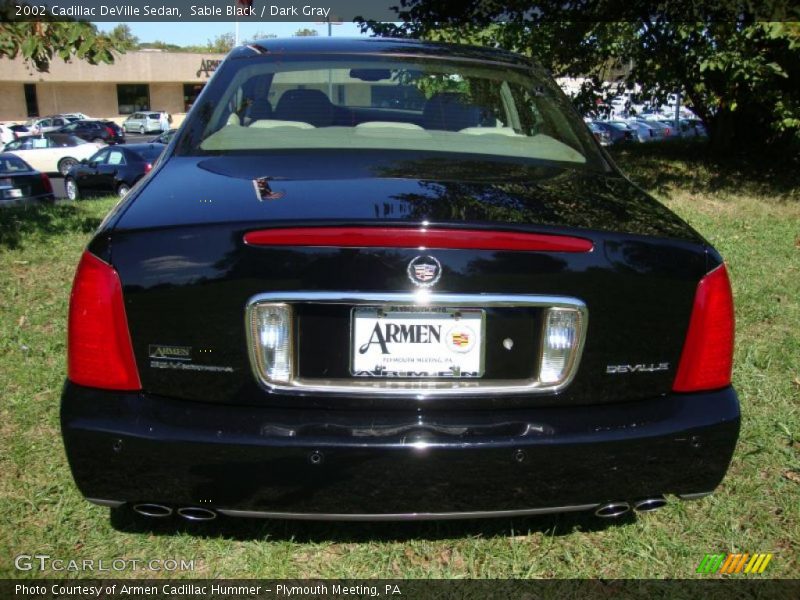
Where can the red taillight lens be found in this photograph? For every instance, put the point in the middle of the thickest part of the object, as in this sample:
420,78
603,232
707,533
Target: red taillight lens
99,346
110,132
48,186
148,167
707,357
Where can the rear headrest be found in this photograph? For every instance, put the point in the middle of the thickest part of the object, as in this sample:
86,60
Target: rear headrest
259,109
451,111
309,106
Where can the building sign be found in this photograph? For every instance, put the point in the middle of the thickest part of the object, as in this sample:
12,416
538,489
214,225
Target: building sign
208,66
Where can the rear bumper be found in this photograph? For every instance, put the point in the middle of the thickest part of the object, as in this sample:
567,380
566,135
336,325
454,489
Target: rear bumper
259,461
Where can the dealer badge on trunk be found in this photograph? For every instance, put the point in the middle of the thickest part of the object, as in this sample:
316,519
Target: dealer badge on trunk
424,271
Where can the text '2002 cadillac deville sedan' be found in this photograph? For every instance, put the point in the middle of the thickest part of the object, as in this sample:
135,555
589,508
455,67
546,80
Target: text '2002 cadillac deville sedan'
377,279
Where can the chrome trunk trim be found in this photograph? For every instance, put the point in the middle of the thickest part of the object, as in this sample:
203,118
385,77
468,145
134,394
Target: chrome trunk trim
419,390
106,503
696,496
257,514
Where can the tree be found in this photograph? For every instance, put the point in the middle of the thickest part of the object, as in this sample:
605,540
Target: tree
738,70
306,32
222,44
123,37
259,35
40,41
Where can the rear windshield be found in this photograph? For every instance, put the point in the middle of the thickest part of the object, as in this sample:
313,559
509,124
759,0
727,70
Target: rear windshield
363,103
10,164
149,154
64,140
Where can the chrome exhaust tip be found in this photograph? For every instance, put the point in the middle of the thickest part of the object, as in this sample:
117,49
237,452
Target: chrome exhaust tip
612,510
196,513
649,504
156,511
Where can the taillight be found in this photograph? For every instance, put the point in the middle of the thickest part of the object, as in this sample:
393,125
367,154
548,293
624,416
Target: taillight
424,237
148,167
707,357
99,350
110,132
48,186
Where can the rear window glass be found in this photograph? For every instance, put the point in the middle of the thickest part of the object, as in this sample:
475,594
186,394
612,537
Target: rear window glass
10,164
151,153
394,104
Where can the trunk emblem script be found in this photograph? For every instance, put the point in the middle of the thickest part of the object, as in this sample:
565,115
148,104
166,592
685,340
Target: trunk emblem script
424,271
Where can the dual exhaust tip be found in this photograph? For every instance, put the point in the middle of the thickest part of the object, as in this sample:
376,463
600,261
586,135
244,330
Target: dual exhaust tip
613,510
160,511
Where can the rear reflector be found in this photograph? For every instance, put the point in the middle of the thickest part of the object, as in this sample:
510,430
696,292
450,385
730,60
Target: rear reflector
99,345
707,357
398,237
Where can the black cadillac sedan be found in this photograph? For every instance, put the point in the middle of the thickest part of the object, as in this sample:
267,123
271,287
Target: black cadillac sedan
382,279
106,132
113,170
20,183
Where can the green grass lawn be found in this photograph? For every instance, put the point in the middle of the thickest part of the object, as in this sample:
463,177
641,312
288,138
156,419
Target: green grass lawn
753,220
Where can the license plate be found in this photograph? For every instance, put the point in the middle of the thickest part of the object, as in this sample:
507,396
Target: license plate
410,342
13,193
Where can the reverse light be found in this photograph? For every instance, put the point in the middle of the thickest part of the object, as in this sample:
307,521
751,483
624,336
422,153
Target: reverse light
560,344
99,351
707,357
271,341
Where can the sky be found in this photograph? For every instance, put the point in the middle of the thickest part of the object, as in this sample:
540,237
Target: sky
186,34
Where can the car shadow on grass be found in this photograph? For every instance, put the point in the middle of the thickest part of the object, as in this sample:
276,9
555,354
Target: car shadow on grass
246,529
688,165
18,223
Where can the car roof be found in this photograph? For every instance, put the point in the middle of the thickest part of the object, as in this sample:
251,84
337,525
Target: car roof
148,148
388,46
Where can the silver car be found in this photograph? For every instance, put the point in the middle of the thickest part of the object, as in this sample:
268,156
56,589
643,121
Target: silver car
142,122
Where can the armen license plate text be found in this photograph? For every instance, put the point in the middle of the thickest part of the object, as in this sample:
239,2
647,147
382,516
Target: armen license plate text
402,341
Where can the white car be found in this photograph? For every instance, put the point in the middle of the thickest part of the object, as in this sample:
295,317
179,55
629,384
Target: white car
6,135
48,124
53,153
77,116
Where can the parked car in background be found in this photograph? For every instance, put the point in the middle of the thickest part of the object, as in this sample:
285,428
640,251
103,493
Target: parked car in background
143,122
618,131
106,132
53,152
699,127
644,132
666,130
48,124
6,135
455,308
20,130
20,183
78,116
599,133
112,170
165,137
